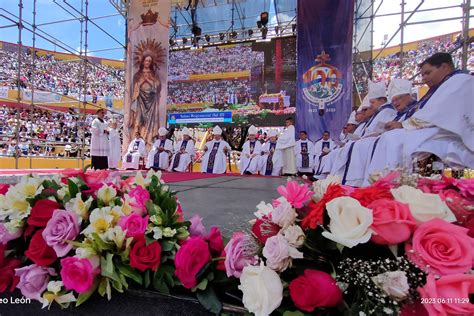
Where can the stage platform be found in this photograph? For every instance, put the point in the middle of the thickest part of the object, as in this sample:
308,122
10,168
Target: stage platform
227,201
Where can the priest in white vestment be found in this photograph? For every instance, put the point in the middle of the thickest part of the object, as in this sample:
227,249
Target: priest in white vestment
441,123
184,152
251,151
215,158
285,144
99,141
115,146
304,155
159,156
271,159
399,92
136,150
325,145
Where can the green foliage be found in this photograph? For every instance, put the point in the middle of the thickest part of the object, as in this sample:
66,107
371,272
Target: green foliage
209,300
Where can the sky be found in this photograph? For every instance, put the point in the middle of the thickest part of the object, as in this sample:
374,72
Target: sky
69,32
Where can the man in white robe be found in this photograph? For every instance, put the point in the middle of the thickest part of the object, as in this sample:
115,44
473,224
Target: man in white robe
440,124
184,152
159,156
325,145
115,146
286,143
271,161
251,151
215,158
304,155
136,150
399,92
99,141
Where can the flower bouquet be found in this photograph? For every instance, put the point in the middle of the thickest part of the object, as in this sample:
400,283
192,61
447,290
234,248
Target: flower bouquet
63,239
395,247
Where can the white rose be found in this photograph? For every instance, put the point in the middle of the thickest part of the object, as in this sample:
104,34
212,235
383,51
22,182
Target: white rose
320,187
263,210
262,289
350,222
423,206
393,283
284,214
294,235
279,253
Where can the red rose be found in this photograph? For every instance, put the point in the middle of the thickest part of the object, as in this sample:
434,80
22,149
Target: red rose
372,193
143,256
2,253
314,289
214,238
42,212
264,228
8,280
190,259
39,252
393,222
414,309
460,206
315,216
221,263
4,188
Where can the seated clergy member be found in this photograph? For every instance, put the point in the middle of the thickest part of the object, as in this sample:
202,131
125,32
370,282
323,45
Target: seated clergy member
399,92
250,156
271,160
304,154
136,149
214,160
325,145
184,153
441,123
159,156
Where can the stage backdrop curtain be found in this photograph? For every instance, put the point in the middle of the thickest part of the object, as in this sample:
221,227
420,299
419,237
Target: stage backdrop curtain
147,68
324,48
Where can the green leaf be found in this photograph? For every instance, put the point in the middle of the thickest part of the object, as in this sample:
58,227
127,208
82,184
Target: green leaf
293,313
85,296
202,285
73,189
150,207
101,245
103,286
159,284
167,245
149,240
147,279
209,300
107,267
130,273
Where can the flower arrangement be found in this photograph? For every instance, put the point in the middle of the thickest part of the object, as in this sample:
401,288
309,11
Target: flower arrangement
63,239
387,249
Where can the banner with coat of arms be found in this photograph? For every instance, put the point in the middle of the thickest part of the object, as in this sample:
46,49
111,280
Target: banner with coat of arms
147,69
324,46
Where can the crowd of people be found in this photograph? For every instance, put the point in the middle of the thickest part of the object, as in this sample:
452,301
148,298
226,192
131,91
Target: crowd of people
60,76
215,59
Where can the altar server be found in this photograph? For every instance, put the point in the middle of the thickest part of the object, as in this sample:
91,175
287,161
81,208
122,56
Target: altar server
214,160
99,141
251,151
159,156
286,144
184,152
136,150
304,154
115,146
440,124
271,159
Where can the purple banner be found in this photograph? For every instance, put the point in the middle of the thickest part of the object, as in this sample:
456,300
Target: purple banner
324,47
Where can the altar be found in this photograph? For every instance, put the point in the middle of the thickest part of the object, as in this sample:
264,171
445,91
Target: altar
274,101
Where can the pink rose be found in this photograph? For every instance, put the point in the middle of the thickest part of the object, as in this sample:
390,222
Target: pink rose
6,235
214,238
448,295
137,199
93,177
134,225
466,187
78,274
279,253
63,226
393,283
240,252
392,222
445,248
295,193
33,280
284,214
433,186
196,228
190,259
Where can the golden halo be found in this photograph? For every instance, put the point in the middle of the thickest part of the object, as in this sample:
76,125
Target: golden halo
150,48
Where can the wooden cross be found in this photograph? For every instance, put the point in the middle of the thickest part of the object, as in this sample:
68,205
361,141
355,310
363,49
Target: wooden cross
323,58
